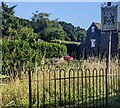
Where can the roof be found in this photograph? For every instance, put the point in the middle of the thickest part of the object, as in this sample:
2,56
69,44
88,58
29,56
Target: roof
98,24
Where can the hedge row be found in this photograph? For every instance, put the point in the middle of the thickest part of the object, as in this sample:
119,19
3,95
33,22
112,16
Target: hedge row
72,47
52,49
19,53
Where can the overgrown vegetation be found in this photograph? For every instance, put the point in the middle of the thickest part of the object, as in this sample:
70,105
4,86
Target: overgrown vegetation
17,53
22,39
23,50
16,92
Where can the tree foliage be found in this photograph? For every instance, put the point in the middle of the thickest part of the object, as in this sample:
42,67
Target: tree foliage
73,33
46,28
21,46
7,19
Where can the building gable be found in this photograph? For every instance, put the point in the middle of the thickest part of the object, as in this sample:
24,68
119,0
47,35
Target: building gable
93,35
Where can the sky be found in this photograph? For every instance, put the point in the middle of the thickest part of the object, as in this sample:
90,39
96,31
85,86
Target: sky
78,13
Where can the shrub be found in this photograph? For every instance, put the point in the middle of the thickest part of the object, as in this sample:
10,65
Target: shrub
18,53
52,49
72,47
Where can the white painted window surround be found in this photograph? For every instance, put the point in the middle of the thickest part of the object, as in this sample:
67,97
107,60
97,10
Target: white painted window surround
93,29
93,43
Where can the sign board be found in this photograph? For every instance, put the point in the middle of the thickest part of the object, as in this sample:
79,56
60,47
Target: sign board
109,17
118,12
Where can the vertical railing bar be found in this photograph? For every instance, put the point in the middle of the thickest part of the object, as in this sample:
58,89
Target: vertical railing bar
96,88
103,88
60,87
95,71
78,86
115,75
30,90
86,87
73,88
43,89
110,84
82,87
55,87
112,81
93,87
49,86
116,79
37,89
106,87
69,89
100,85
117,82
89,90
118,73
65,87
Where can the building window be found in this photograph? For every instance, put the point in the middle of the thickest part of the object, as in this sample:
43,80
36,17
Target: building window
93,41
93,29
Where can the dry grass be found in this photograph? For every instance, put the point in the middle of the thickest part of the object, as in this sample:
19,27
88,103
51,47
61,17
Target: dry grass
17,92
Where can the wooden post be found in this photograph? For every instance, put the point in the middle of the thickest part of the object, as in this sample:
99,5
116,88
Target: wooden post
109,52
108,58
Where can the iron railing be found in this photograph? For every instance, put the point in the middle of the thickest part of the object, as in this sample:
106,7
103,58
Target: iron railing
77,87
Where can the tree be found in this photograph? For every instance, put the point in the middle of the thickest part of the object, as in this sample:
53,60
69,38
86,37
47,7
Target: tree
10,23
81,34
69,29
23,22
7,19
73,33
46,28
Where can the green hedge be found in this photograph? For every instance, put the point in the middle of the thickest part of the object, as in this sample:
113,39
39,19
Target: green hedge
52,49
72,47
19,53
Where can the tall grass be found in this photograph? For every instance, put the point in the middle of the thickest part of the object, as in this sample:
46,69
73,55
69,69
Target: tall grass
16,92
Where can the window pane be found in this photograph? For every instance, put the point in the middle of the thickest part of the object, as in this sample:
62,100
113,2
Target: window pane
93,42
93,29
